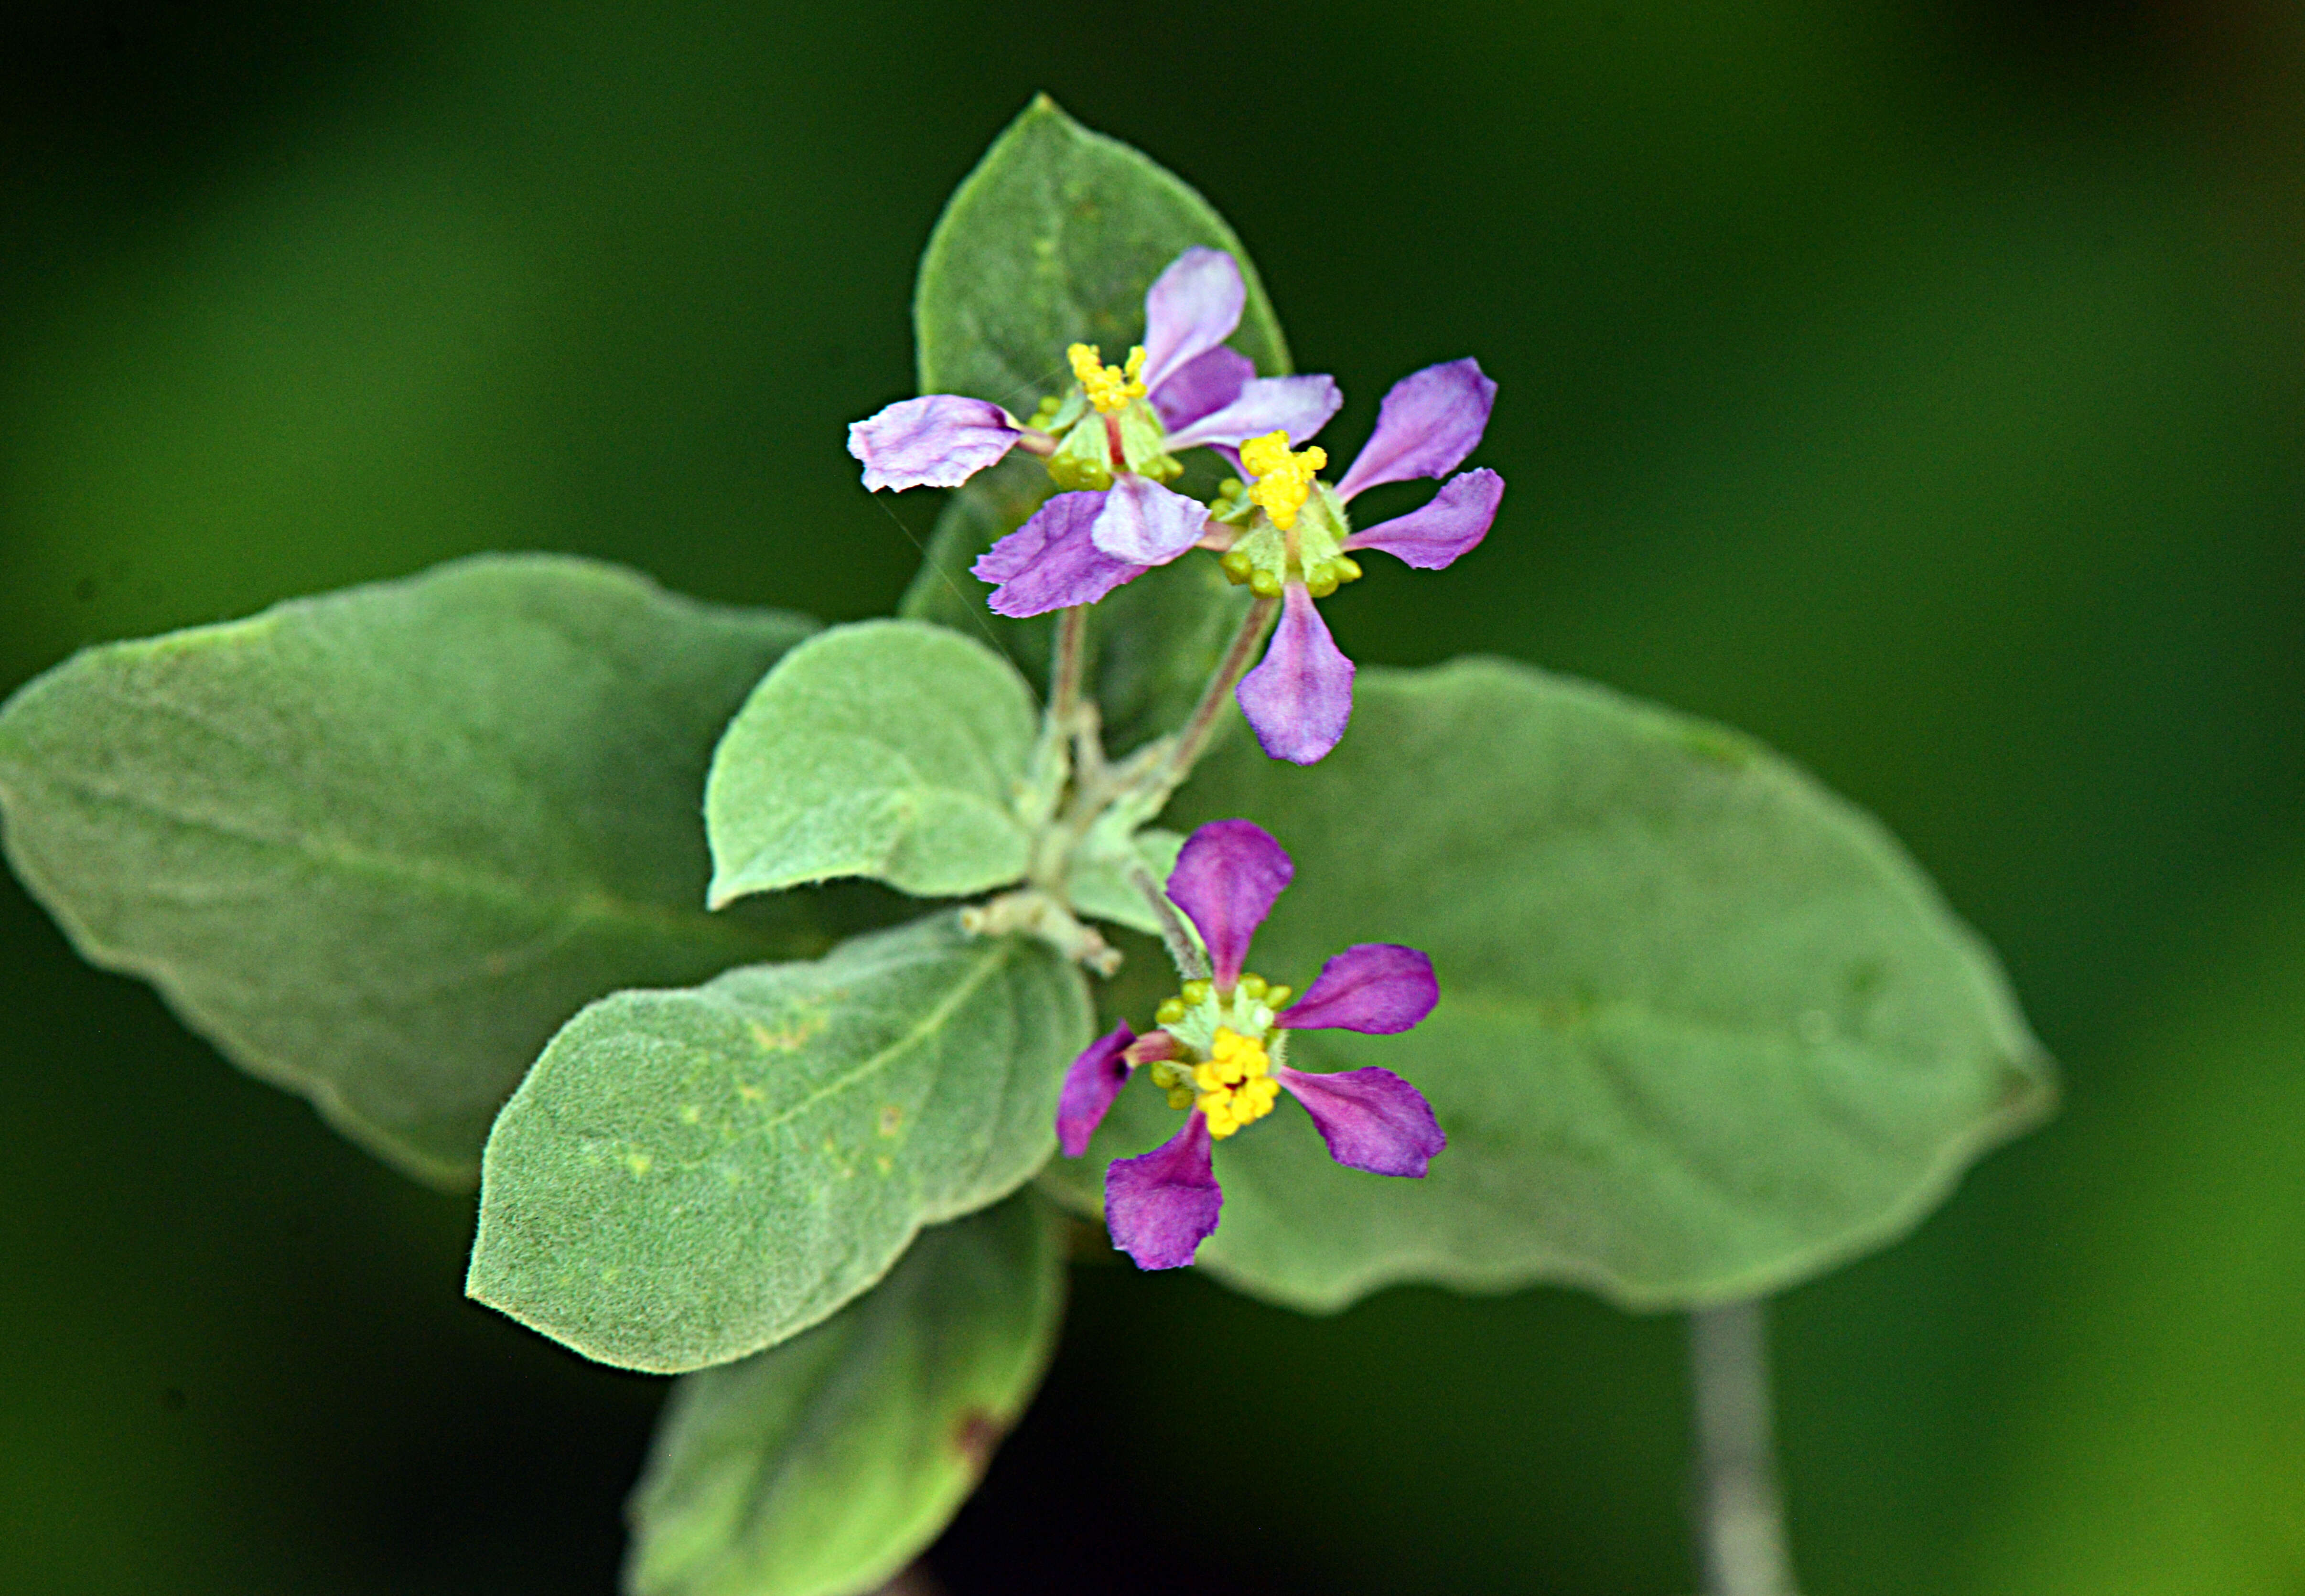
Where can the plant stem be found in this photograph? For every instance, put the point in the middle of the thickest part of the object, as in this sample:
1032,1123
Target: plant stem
1063,721
1740,1514
1065,688
1183,951
1195,738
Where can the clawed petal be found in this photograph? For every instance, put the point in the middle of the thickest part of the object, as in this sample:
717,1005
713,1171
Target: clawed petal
1145,524
1202,385
1228,875
1095,1080
1426,426
1298,701
1377,989
1372,1119
1455,520
1301,405
1191,308
937,441
1162,1205
1051,561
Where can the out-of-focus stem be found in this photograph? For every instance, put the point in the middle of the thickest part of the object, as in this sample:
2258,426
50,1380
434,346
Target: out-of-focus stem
1740,1525
1183,951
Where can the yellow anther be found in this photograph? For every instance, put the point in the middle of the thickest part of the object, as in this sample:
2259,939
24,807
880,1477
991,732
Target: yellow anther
1110,388
1283,480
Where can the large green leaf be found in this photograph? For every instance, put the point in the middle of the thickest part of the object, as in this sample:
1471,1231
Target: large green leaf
686,1177
1704,1030
821,1467
1052,241
379,846
888,748
1153,642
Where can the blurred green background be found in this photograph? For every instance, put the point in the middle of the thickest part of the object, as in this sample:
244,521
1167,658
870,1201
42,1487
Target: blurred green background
1918,386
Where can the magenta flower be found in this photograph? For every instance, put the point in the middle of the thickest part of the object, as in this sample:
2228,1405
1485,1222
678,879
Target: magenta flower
1221,1050
1112,440
1291,538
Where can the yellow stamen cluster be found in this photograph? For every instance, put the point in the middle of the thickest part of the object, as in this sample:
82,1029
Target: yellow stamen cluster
1236,1083
1110,388
1283,480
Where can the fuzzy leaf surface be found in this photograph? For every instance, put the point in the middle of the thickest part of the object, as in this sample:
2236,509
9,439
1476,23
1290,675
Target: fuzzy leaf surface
888,748
1052,241
1704,1029
379,846
822,1466
688,1177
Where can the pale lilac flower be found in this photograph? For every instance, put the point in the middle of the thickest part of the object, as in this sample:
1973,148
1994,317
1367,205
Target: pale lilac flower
1220,1050
1112,440
1291,540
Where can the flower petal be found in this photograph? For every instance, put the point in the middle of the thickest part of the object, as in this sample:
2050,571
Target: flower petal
1191,308
1093,1080
940,440
1426,426
1051,562
1300,405
1298,701
1228,875
1450,524
1162,1205
1376,988
1200,386
1145,524
1372,1119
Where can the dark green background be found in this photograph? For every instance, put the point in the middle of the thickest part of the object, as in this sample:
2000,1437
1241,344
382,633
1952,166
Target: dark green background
1919,387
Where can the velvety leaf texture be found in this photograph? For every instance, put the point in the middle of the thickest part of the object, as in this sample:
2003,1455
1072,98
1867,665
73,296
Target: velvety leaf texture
687,1177
887,749
1052,241
1704,1030
1153,642
378,845
821,1467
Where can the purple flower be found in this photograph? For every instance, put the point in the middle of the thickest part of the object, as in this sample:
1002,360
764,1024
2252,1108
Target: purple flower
1111,441
1288,535
1220,1048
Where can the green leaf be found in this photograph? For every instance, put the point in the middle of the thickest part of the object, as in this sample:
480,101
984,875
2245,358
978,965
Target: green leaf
1704,1032
379,846
1052,241
1103,889
821,1468
1154,641
887,749
687,1177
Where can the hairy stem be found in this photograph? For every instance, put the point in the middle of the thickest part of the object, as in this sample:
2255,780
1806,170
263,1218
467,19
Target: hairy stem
1740,1514
1191,743
1063,722
1183,951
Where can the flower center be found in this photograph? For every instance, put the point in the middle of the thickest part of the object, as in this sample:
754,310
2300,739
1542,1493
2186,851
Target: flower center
1283,480
1225,1069
1110,388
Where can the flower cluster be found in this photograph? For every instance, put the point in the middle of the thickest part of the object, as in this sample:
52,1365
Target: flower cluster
1111,444
1220,1051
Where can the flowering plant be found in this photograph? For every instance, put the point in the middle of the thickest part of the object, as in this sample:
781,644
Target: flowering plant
1682,1028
